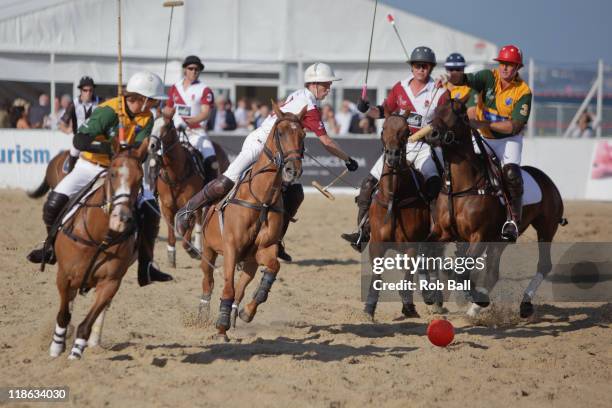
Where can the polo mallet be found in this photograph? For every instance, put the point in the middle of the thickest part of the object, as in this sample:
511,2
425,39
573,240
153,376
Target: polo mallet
121,114
172,5
323,190
364,90
391,21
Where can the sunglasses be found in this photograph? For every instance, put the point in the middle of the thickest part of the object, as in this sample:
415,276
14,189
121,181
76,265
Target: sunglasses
193,68
454,69
420,65
86,90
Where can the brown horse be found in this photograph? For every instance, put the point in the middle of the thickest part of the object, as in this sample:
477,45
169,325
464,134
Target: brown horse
178,181
469,209
95,248
252,222
399,212
53,175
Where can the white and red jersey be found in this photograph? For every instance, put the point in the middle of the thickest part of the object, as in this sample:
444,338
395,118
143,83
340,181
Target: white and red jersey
188,102
420,107
294,104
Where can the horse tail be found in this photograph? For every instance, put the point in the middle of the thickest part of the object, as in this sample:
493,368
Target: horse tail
40,191
542,177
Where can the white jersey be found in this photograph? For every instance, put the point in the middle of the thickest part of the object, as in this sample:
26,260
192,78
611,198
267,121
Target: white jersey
294,104
188,102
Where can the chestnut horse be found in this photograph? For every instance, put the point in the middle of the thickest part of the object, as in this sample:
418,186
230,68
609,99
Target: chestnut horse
469,208
95,248
53,175
252,222
178,181
399,212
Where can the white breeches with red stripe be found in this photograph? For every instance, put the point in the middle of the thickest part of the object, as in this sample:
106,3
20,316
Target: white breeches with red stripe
418,153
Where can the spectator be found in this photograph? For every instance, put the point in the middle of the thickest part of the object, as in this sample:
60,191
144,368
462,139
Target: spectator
19,114
5,121
329,119
583,128
344,116
242,114
361,124
262,113
221,117
38,113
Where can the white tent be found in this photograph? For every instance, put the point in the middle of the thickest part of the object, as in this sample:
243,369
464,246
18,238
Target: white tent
242,42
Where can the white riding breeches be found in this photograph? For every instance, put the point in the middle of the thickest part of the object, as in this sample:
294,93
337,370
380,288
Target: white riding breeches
508,150
418,153
199,139
251,149
84,171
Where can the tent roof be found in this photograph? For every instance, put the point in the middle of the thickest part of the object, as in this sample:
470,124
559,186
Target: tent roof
268,31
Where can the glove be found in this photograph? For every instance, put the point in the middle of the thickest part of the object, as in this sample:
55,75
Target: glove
442,80
363,106
351,164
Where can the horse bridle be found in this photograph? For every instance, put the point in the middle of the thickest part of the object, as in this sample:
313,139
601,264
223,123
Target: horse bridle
113,200
392,157
282,158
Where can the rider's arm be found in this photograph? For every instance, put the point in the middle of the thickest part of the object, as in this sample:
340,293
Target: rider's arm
478,81
312,121
332,147
99,123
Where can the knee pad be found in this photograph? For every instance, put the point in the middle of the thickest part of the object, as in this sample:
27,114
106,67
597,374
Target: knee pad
365,192
512,175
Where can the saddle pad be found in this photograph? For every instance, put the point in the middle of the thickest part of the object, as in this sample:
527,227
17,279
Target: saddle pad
532,194
99,182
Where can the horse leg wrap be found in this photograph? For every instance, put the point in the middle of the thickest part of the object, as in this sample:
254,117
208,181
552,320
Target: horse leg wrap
261,294
225,310
77,349
58,345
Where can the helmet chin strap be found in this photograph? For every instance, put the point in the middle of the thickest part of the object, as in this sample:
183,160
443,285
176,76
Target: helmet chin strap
144,105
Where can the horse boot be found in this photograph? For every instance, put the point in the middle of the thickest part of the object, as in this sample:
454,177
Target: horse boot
211,169
513,180
51,210
293,195
213,191
69,163
149,228
363,200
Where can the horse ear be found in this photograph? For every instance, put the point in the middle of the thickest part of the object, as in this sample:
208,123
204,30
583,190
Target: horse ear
302,112
276,109
386,110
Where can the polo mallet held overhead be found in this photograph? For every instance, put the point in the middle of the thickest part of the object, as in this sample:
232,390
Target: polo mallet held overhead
323,190
172,5
391,21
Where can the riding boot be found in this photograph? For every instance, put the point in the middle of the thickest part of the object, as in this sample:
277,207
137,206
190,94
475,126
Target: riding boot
148,230
51,210
432,187
211,169
213,191
513,180
293,195
69,163
363,200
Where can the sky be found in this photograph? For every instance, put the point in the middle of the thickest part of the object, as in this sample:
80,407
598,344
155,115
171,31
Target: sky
550,31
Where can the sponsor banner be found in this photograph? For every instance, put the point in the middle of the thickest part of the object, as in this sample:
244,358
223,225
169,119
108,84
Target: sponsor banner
24,155
599,183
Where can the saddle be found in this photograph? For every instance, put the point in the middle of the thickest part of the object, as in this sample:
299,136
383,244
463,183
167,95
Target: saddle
196,159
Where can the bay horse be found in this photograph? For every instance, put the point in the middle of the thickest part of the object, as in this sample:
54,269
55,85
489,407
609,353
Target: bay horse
53,175
399,212
95,248
252,223
178,181
469,208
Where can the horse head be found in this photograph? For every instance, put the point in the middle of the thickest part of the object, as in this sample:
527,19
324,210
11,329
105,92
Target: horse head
287,145
394,136
450,126
164,131
122,185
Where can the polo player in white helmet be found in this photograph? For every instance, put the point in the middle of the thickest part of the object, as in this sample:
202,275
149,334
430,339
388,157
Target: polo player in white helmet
144,90
318,79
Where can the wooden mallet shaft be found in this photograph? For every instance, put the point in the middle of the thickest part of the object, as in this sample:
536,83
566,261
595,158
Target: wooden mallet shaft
323,190
173,3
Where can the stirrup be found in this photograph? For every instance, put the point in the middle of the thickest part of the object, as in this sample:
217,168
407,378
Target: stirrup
183,216
509,231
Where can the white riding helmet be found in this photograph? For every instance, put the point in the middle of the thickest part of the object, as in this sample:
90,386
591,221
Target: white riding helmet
319,72
147,84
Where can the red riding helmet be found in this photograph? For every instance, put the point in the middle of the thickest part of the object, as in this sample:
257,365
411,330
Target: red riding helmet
510,53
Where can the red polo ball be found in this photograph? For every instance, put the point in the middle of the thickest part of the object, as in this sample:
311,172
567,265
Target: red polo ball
440,332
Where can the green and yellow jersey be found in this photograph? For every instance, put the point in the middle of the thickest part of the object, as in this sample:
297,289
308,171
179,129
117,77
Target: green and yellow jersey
497,105
104,124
